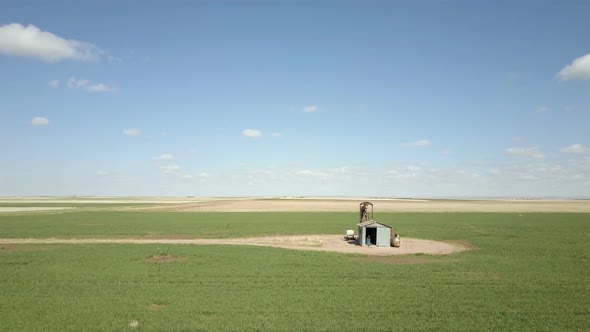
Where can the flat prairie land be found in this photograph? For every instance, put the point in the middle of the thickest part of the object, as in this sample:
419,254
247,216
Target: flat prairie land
245,204
383,205
523,271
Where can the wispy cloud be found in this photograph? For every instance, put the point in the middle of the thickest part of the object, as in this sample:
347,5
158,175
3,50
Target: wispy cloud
311,109
579,69
53,83
423,143
86,85
575,149
168,169
252,133
165,156
309,173
102,173
39,121
98,88
131,132
275,134
543,109
533,152
31,42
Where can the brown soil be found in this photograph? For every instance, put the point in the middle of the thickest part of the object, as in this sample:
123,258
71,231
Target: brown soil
8,247
345,205
155,306
332,243
164,258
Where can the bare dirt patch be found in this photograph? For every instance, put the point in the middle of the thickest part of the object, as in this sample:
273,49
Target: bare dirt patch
164,258
330,243
155,306
8,247
8,209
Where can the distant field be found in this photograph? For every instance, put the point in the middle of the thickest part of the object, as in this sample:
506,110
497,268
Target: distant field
206,204
529,271
383,205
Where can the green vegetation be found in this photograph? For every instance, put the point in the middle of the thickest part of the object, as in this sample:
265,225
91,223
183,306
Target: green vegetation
529,272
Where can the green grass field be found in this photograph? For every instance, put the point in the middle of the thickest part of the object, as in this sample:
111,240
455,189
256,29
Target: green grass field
527,272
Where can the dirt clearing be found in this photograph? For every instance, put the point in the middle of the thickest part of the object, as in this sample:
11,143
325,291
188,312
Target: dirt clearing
333,243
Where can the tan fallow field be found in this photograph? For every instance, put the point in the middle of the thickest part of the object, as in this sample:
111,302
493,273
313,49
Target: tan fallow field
381,205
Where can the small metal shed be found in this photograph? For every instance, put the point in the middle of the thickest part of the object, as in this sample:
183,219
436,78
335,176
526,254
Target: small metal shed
375,233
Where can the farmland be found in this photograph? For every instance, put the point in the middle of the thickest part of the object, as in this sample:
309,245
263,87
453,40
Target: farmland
525,271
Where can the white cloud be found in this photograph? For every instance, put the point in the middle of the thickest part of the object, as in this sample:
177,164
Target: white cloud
168,169
341,170
39,121
276,134
75,83
311,108
423,143
404,172
308,173
543,109
131,132
98,88
252,133
579,69
494,171
532,152
576,148
165,156
86,85
102,173
53,83
31,42
204,175
187,177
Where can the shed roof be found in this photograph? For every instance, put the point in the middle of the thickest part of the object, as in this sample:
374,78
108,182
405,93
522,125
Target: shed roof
372,224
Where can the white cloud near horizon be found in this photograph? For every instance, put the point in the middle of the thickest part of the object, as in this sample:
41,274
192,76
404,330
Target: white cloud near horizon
423,143
576,148
102,173
311,109
309,173
533,152
165,156
252,133
75,83
39,121
579,69
131,132
53,83
275,134
168,169
32,42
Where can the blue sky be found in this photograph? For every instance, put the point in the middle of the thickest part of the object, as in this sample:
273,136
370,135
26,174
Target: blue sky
295,98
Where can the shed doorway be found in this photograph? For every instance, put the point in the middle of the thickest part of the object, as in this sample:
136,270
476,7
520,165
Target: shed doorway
371,235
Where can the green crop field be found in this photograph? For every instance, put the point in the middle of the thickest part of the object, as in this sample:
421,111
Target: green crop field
526,272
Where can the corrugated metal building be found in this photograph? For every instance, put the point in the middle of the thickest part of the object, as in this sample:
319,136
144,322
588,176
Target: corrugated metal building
375,233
